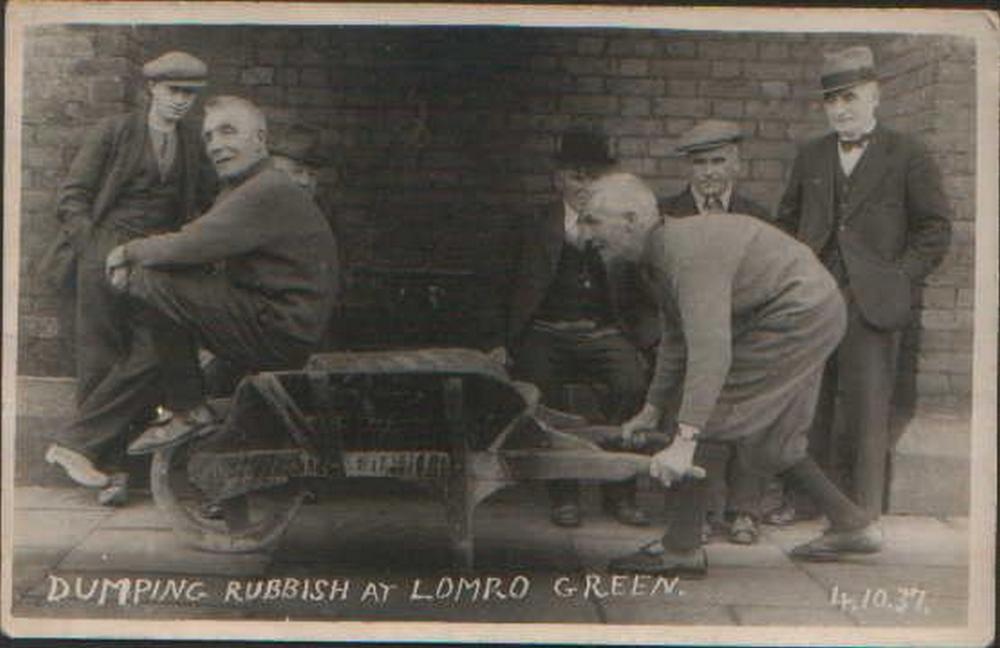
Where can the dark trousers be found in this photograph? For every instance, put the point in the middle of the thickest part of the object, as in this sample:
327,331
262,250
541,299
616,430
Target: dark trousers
129,360
225,319
551,359
732,487
850,436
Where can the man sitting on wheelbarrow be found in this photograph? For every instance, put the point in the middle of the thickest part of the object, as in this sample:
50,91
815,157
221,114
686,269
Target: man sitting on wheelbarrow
749,318
253,279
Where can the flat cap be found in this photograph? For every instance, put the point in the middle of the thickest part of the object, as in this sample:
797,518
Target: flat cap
298,142
708,134
846,68
179,68
579,147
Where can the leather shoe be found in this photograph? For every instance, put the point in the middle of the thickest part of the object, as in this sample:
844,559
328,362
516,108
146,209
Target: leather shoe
788,514
78,467
177,428
833,544
567,515
743,530
654,559
116,492
627,513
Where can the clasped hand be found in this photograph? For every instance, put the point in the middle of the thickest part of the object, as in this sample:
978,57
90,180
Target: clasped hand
116,269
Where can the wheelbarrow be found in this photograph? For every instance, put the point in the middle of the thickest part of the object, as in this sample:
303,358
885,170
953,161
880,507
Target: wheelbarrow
450,417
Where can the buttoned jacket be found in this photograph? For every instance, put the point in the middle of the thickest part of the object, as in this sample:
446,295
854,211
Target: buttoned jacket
894,225
683,204
540,251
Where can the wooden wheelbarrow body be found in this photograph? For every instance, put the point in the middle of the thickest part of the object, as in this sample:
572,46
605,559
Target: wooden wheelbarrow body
448,416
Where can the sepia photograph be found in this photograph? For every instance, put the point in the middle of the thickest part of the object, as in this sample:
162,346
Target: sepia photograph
468,323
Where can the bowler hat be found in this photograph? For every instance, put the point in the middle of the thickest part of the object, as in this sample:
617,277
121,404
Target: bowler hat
707,135
846,68
298,142
583,148
179,68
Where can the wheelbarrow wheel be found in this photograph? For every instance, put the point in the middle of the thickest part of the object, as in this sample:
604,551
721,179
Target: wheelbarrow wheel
248,522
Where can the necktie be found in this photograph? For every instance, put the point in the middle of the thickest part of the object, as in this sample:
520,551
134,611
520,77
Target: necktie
713,204
849,145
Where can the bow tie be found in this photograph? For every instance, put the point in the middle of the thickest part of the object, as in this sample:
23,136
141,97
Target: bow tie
849,145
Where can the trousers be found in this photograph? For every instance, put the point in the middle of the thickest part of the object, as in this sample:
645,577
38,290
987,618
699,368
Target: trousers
550,359
129,360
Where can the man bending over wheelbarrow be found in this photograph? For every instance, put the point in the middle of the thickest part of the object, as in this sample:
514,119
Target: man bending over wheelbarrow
253,279
749,319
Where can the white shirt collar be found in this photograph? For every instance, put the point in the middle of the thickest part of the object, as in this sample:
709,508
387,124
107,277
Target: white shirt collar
571,227
699,199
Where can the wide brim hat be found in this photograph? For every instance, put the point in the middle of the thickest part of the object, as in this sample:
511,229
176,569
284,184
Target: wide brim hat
707,135
847,68
297,142
178,68
583,148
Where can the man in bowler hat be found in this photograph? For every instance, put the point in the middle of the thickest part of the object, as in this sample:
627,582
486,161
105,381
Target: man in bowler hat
869,202
573,319
712,151
135,175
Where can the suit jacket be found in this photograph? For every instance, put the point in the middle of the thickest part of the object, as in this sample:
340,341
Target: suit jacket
682,204
895,229
275,244
110,155
541,248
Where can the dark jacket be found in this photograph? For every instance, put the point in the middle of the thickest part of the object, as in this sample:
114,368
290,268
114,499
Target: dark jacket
109,157
541,247
274,243
893,233
682,204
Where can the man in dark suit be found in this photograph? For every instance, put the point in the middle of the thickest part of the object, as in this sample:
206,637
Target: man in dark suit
574,319
135,174
712,150
869,202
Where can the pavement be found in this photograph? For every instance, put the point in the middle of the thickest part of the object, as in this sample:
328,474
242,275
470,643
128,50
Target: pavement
379,550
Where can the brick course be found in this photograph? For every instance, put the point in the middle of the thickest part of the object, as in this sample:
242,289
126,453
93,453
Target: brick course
449,132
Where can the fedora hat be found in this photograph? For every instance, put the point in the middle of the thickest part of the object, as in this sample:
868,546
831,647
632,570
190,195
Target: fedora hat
580,147
179,68
298,142
706,135
846,68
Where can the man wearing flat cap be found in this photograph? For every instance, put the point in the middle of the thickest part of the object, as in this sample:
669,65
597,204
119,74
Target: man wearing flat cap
869,202
135,175
712,150
574,319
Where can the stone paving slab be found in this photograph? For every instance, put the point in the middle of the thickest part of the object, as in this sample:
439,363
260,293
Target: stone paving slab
55,499
788,587
771,615
631,611
154,551
856,577
47,529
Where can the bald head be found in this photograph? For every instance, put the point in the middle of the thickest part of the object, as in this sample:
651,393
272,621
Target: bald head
620,212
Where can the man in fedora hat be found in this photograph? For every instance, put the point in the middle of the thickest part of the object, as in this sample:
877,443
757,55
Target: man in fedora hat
572,318
869,202
135,174
712,150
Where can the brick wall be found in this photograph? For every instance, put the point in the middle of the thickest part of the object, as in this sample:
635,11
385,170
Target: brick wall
443,137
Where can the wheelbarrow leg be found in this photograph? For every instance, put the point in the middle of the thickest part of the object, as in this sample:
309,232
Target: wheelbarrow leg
460,503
